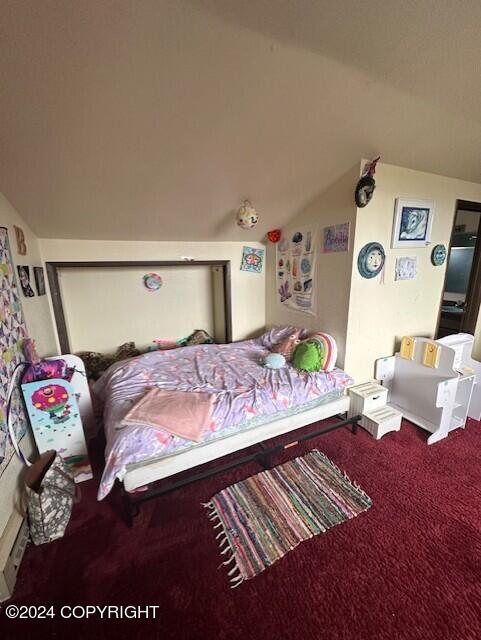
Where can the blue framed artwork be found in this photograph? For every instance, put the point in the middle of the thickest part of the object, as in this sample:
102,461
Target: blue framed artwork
413,221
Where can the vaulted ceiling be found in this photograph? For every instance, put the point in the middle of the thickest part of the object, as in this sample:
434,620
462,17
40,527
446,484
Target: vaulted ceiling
152,119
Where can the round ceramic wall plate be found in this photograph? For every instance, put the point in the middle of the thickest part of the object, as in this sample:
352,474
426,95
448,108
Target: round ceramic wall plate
438,255
370,260
364,191
152,281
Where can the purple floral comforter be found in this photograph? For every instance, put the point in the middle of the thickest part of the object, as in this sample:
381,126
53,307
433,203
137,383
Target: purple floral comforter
234,372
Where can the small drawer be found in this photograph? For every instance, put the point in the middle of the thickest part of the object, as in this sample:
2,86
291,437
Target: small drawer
366,397
375,401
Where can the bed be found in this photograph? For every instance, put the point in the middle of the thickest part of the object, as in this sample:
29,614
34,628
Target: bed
252,404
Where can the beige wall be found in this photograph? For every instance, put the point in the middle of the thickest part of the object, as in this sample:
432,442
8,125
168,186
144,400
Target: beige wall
380,313
477,339
369,317
39,324
109,306
248,289
334,206
36,309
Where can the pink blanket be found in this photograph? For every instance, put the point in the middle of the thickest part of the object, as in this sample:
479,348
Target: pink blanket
182,413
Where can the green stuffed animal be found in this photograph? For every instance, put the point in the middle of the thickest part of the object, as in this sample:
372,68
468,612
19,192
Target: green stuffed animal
307,356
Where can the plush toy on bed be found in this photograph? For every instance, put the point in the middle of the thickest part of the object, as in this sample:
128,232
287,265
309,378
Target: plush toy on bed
96,363
274,361
287,345
307,356
317,353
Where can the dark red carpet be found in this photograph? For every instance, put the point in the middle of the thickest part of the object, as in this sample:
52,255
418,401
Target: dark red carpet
408,568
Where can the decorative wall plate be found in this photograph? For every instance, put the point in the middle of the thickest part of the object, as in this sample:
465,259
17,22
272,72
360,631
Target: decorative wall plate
370,260
152,281
438,255
364,191
366,185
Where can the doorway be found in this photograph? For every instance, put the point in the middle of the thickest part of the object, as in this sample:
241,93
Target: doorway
462,285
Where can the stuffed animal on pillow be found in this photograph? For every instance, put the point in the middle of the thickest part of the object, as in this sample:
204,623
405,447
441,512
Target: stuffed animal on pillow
329,349
96,363
274,361
307,356
286,347
317,353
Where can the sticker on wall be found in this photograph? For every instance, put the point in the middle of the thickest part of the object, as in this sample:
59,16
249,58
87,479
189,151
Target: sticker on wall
39,280
24,277
371,259
12,333
152,281
438,255
296,262
406,268
336,238
252,259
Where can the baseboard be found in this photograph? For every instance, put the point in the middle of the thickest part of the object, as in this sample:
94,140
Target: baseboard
12,547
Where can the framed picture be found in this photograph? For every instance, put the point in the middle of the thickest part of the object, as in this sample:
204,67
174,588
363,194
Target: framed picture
39,280
413,220
24,277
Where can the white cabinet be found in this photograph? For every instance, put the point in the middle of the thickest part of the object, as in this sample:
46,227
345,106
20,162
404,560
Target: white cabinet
437,396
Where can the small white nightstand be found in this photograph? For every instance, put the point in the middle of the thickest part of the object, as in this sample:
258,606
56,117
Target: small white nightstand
370,401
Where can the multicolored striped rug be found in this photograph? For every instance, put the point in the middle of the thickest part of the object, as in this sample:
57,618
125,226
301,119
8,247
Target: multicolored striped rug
262,518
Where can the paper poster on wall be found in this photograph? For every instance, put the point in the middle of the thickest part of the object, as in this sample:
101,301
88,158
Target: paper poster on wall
406,268
252,259
296,269
336,238
12,333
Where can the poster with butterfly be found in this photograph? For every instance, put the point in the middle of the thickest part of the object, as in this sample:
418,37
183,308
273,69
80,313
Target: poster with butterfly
296,269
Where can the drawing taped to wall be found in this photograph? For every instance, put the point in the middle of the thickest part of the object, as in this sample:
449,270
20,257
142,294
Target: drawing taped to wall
252,259
406,268
336,238
296,268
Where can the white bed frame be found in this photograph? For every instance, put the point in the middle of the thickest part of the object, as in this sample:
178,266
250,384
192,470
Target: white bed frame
145,473
148,472
142,473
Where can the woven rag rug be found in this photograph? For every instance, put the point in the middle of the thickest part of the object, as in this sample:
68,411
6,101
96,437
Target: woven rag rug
262,518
